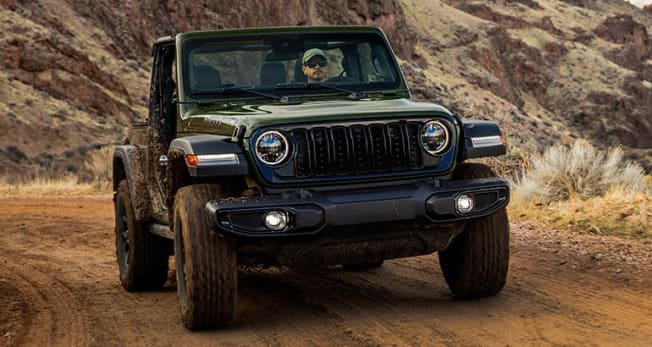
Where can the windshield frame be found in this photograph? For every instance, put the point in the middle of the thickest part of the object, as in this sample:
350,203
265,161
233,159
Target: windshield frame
349,34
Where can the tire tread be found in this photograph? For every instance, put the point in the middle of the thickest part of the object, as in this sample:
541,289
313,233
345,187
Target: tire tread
212,274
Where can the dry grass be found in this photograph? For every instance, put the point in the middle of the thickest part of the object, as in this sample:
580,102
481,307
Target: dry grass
67,186
99,166
618,212
97,171
586,190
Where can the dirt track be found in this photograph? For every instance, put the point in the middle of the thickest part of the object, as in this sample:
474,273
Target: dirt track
59,286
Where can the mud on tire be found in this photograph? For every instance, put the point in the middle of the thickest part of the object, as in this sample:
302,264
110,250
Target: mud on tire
142,257
475,264
206,262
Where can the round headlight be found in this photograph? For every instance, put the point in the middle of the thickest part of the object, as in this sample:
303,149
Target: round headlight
435,137
272,147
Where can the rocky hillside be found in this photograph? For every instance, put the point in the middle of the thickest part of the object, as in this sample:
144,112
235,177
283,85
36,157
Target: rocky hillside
548,71
74,73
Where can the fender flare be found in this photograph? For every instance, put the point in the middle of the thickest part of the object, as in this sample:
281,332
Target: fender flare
481,138
129,163
233,161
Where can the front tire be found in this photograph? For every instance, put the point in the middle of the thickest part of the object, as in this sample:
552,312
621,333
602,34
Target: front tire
206,262
142,257
475,264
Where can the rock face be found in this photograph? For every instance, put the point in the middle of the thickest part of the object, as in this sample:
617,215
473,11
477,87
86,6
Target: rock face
630,35
630,118
75,73
549,71
140,22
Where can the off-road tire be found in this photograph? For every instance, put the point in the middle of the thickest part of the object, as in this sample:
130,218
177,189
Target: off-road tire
142,257
207,270
475,264
363,266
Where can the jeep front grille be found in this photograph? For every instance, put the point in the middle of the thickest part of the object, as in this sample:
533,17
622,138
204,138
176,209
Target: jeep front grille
357,149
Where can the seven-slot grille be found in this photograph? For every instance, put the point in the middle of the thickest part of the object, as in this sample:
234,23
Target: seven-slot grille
357,149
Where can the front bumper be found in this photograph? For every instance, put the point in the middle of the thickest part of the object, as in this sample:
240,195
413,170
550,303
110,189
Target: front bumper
311,212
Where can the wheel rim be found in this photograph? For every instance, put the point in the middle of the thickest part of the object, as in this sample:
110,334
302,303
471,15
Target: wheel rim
122,236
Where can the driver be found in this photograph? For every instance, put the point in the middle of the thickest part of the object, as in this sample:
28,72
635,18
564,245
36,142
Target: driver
315,65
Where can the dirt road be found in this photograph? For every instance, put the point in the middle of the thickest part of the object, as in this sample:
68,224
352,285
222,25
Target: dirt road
59,286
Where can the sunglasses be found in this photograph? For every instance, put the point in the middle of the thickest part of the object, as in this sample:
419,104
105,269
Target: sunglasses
314,64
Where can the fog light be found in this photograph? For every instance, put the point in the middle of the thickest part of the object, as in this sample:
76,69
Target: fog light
276,220
464,203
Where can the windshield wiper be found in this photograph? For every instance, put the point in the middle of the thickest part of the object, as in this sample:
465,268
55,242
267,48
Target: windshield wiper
355,95
238,90
235,90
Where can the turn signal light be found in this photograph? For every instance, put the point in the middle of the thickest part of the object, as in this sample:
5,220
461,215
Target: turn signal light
192,160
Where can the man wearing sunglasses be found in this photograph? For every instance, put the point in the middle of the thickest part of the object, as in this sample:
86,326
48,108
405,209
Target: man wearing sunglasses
315,65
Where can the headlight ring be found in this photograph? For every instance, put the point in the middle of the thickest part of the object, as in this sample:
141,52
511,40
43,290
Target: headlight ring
272,147
435,137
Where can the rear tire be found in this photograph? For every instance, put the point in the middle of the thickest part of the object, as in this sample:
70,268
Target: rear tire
476,262
207,270
142,257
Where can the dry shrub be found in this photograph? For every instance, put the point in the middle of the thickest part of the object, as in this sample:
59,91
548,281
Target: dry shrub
580,171
99,167
583,189
511,165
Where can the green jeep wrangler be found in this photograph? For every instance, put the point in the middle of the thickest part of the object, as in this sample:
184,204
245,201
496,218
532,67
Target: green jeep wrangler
299,146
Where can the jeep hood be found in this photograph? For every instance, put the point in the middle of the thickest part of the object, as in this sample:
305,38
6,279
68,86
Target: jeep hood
225,118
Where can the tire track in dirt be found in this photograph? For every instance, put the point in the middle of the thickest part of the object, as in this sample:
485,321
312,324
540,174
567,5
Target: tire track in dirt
12,313
587,303
269,305
43,256
554,304
52,308
377,313
575,301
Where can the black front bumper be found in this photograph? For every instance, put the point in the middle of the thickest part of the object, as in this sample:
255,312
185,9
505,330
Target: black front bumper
311,212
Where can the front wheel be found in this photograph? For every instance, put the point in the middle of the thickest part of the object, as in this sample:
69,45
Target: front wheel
475,264
206,262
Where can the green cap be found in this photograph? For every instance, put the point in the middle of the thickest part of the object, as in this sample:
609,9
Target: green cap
313,52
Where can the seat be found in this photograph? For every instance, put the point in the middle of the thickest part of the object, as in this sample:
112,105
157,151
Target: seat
272,73
206,78
299,76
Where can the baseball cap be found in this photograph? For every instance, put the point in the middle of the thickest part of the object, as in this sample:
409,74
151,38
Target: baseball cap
313,52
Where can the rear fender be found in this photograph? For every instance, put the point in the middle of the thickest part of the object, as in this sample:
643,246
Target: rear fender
129,162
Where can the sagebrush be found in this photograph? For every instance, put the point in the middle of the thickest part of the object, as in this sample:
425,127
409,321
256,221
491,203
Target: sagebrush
579,171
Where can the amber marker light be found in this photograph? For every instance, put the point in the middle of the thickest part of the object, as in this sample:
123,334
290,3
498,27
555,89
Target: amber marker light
221,159
192,160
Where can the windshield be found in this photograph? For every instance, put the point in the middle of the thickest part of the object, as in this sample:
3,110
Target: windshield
282,64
